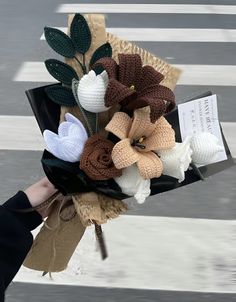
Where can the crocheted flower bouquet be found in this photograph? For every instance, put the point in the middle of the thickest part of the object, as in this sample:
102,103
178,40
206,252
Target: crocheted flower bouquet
111,133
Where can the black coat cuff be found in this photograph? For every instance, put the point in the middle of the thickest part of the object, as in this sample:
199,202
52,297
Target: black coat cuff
19,201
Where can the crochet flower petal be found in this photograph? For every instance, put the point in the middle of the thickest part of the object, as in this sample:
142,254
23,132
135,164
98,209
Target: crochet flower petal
160,99
141,125
119,125
72,119
205,148
132,183
123,155
130,67
109,65
149,165
150,76
116,93
51,141
163,136
91,92
177,159
63,129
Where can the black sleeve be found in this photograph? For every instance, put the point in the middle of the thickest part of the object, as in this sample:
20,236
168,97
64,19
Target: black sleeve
15,237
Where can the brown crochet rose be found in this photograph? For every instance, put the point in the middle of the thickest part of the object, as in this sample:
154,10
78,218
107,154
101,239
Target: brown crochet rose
135,86
96,159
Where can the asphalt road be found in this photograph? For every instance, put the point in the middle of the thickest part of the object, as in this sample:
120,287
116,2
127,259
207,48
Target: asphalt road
22,24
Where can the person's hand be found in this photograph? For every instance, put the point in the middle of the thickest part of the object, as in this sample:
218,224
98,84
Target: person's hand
40,192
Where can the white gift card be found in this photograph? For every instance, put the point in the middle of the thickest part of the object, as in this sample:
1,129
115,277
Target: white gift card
201,115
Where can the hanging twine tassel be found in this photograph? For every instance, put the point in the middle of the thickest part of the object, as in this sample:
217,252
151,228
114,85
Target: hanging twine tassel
100,239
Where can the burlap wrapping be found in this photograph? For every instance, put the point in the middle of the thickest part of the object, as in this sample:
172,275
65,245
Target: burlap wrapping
97,207
52,249
55,243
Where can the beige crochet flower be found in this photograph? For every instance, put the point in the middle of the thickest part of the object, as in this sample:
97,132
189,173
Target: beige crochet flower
139,138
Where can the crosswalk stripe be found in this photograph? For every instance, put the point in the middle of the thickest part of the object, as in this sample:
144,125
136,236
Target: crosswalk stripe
159,253
171,34
216,75
22,133
147,8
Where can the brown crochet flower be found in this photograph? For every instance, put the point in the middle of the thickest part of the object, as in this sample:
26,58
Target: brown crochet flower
134,86
139,138
96,159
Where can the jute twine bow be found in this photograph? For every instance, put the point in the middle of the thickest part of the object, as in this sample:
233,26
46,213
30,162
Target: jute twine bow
75,212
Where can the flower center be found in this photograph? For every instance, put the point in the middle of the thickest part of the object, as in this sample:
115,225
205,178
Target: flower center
132,87
139,142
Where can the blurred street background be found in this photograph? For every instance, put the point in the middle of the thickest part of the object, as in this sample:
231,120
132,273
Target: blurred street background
185,239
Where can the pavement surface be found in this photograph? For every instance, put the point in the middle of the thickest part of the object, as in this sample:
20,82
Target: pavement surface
22,24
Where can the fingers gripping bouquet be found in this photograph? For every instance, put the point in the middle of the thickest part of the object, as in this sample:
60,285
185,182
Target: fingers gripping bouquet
113,140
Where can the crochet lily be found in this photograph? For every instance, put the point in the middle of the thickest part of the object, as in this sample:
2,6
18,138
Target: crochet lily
68,145
139,138
135,86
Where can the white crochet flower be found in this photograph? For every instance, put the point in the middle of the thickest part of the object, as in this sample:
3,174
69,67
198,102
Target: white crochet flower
68,145
133,184
177,159
205,148
91,91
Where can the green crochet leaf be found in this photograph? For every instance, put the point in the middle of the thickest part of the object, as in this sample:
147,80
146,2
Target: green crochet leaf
61,71
59,42
98,69
80,34
61,95
104,50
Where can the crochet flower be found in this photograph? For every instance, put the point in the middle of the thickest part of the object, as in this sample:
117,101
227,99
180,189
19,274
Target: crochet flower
177,159
91,91
69,143
139,138
132,183
96,159
133,86
206,148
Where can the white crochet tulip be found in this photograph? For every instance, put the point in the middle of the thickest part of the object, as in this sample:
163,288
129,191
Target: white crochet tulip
69,143
91,91
177,159
133,184
205,148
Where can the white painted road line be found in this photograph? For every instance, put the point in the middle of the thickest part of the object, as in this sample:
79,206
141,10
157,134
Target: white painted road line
158,253
147,8
22,133
211,75
170,34
216,75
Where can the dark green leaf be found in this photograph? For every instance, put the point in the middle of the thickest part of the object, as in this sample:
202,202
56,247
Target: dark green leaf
80,34
61,71
61,95
59,42
98,69
104,50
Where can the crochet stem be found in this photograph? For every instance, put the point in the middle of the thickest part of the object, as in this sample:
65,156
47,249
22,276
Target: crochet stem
101,242
84,64
83,67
